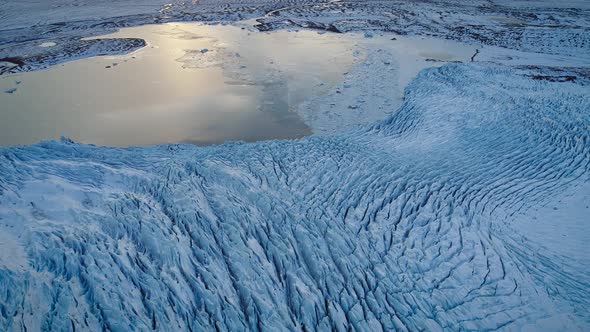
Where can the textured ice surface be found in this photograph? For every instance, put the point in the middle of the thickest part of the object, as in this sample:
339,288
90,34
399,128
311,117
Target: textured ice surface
374,87
405,224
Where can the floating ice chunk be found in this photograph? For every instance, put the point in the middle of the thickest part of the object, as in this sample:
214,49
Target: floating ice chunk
47,44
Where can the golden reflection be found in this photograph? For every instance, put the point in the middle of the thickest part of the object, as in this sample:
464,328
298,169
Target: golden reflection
197,83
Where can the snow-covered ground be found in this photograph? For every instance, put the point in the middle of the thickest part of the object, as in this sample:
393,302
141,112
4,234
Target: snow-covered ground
466,208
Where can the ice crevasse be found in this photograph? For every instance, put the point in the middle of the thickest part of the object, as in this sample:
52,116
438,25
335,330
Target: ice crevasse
401,225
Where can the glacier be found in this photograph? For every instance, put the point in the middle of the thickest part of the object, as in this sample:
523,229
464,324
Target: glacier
414,222
558,28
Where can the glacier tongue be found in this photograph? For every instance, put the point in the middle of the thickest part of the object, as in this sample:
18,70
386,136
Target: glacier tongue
402,225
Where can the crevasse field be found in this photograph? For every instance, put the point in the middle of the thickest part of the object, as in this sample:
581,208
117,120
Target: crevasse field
466,208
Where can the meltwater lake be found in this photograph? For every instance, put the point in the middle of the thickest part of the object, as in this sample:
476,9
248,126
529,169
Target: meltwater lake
192,83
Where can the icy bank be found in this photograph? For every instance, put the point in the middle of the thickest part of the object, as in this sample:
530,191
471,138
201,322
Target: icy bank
399,225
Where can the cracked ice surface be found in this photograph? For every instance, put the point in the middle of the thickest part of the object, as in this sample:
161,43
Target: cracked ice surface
403,224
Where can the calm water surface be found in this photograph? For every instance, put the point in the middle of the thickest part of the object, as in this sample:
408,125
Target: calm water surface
192,83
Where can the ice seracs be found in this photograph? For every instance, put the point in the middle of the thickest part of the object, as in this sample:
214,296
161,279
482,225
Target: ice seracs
398,225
